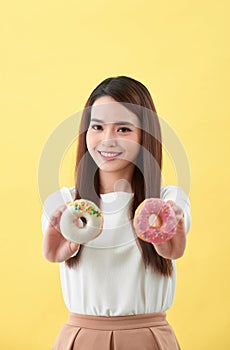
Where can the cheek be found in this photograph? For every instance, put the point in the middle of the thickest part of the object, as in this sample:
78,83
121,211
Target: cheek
90,140
136,146
87,140
132,148
136,149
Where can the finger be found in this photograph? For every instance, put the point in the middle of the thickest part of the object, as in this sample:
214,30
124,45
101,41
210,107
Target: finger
53,220
175,207
74,246
59,211
62,208
177,210
172,203
54,223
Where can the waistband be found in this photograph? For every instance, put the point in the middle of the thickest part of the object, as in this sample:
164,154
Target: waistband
117,322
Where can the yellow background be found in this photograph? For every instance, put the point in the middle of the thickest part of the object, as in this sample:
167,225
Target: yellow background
53,53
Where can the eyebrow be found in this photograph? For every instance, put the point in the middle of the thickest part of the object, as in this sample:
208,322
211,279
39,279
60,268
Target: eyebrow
119,122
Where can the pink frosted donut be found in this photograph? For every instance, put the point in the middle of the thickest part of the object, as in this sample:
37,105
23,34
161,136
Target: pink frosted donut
154,221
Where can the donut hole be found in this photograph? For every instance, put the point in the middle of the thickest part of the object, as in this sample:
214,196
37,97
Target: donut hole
155,220
83,220
80,222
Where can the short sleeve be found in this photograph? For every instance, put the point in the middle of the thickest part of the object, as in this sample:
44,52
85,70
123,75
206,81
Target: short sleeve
177,194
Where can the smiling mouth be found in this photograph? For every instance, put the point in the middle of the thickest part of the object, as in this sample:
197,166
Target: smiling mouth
109,155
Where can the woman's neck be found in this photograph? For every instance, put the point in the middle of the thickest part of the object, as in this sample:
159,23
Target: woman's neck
113,183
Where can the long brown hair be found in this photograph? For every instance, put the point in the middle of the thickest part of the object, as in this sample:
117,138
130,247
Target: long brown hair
146,181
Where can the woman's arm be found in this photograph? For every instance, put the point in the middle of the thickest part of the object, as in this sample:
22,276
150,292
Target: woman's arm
175,247
55,247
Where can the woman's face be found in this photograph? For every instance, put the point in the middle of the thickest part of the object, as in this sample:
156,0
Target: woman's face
114,135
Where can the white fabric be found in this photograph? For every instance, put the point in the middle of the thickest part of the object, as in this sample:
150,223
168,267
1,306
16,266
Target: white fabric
110,279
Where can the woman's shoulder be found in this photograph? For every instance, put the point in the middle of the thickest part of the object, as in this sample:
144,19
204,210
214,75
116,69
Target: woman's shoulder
173,192
60,196
68,193
72,191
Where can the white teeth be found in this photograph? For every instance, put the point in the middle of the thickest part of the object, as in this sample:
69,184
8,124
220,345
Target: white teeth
105,154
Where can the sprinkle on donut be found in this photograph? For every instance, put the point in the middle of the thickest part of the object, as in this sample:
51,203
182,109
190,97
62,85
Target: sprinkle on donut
82,221
85,207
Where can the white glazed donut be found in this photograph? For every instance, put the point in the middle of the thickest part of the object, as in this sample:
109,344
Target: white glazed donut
81,222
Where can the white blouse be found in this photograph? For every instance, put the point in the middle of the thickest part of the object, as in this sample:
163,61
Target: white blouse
110,278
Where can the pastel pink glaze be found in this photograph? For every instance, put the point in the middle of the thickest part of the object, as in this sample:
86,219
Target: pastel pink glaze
154,234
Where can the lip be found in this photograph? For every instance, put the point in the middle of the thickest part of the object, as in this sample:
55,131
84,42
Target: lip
105,155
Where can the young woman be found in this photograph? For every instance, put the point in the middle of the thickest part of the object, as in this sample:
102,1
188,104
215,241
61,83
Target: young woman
117,287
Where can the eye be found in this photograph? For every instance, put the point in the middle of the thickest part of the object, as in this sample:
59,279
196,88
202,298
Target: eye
96,127
124,129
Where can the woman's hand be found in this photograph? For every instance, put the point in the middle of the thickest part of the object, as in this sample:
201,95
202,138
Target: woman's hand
55,247
174,248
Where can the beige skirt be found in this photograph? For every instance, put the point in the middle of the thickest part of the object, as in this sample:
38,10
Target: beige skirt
135,332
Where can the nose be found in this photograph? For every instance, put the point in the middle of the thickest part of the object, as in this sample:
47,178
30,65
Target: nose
109,138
